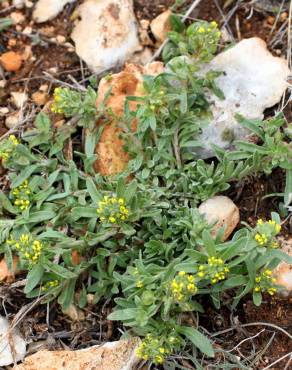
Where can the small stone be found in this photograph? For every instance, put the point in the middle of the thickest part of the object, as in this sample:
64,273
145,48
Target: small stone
12,121
18,4
53,70
46,10
4,110
40,98
61,39
160,26
27,30
3,83
17,17
11,61
12,346
19,98
221,211
283,16
12,42
18,28
270,19
5,273
74,313
29,4
283,273
44,88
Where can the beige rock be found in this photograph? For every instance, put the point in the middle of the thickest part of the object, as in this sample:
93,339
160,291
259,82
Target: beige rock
17,17
4,111
142,57
46,10
19,98
144,32
11,61
221,211
18,4
27,30
5,273
11,121
74,313
118,355
160,26
107,33
60,39
40,98
283,272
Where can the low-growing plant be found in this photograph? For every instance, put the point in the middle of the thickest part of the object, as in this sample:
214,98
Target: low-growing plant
137,239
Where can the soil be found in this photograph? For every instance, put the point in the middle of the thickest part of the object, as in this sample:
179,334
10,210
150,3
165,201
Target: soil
46,324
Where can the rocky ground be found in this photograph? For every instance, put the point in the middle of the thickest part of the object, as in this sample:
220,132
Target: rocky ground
50,45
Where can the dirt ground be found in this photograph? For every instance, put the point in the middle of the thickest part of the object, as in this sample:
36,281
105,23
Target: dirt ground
47,327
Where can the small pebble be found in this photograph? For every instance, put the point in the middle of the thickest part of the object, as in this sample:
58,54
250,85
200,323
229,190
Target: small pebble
27,30
17,17
11,121
18,98
40,98
44,88
4,110
11,61
61,39
12,43
28,4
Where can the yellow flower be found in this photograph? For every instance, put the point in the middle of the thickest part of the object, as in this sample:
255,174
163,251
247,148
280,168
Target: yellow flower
201,30
181,273
139,284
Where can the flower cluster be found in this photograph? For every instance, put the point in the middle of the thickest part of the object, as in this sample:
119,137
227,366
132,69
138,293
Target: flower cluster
50,284
157,348
265,282
21,196
214,270
58,104
112,210
7,147
183,286
266,233
157,101
27,248
204,37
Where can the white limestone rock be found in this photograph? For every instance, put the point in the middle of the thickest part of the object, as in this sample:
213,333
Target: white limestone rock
8,340
107,33
253,80
221,211
46,10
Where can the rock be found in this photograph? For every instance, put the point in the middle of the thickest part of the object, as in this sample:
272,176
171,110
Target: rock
5,273
112,158
283,272
4,111
253,80
11,61
18,4
160,26
107,33
118,355
12,346
11,121
144,29
60,39
46,10
74,313
221,211
40,98
17,17
142,57
19,98
27,30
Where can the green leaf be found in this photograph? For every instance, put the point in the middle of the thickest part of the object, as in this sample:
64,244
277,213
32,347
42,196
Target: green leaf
60,270
38,216
257,298
33,278
24,175
86,212
92,190
121,315
209,243
198,339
